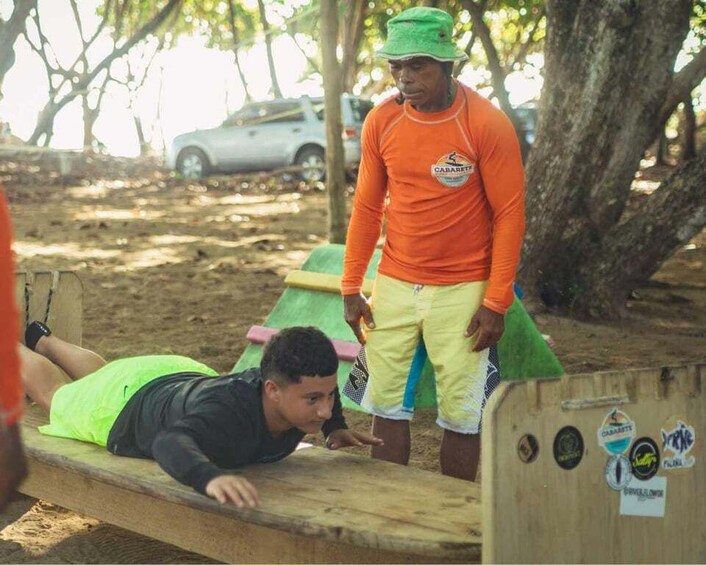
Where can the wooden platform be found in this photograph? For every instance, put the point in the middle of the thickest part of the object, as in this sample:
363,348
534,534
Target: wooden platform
318,506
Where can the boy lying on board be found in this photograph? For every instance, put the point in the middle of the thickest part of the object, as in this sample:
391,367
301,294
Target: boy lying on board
180,413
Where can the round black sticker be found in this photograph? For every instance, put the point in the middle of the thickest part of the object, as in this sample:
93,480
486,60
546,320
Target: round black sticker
644,458
528,448
568,447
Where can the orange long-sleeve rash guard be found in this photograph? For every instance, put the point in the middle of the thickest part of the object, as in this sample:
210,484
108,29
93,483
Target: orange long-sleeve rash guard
11,396
451,186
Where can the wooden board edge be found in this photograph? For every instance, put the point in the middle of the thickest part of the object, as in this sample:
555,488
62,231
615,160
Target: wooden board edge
213,535
181,497
488,468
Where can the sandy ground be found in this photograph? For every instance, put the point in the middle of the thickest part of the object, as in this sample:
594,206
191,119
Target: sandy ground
170,266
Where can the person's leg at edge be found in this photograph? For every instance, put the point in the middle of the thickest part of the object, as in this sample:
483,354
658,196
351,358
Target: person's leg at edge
459,455
76,361
40,377
396,437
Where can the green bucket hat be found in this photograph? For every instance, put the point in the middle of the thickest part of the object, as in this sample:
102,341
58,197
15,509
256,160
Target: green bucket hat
421,32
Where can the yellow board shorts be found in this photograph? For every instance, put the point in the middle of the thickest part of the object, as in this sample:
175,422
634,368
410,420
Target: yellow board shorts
413,323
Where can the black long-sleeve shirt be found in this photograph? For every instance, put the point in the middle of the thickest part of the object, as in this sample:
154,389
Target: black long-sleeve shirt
195,426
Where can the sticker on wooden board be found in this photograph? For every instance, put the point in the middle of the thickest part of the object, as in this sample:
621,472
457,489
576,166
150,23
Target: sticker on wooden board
678,442
644,458
568,447
644,498
616,432
618,472
528,448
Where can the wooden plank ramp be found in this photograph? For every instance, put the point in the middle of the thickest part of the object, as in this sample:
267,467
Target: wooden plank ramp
317,506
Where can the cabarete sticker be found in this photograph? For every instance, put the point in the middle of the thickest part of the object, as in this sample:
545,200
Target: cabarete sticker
645,498
452,169
616,432
618,472
676,445
644,458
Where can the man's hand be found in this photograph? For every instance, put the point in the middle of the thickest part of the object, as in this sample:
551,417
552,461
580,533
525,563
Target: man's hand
12,462
237,489
347,438
355,308
489,327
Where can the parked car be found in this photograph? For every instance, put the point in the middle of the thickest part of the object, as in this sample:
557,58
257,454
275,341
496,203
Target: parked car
264,136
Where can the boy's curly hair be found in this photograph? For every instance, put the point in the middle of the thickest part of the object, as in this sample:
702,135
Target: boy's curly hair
298,352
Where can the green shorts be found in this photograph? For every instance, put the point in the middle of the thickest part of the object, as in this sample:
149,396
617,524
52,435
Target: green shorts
86,409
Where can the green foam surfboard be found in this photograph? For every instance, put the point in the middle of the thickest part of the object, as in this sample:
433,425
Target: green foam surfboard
523,352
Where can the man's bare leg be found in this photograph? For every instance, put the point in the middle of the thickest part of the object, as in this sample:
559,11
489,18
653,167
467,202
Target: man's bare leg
76,361
396,438
459,455
41,378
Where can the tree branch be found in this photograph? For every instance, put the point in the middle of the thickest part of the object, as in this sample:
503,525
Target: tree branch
10,31
268,48
688,78
103,23
525,45
469,45
236,40
633,251
352,34
497,71
291,30
82,85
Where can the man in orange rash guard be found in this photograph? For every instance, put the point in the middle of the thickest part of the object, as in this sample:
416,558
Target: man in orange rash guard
12,463
443,166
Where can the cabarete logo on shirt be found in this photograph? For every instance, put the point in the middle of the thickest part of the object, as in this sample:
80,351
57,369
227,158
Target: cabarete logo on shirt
453,169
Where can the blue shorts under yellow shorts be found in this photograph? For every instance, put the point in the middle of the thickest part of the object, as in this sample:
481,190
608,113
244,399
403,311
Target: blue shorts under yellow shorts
413,323
87,408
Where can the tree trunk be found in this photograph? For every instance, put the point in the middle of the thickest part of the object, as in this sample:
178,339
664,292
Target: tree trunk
268,44
89,120
352,35
662,154
52,108
140,130
608,67
686,80
234,31
335,165
631,252
10,30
